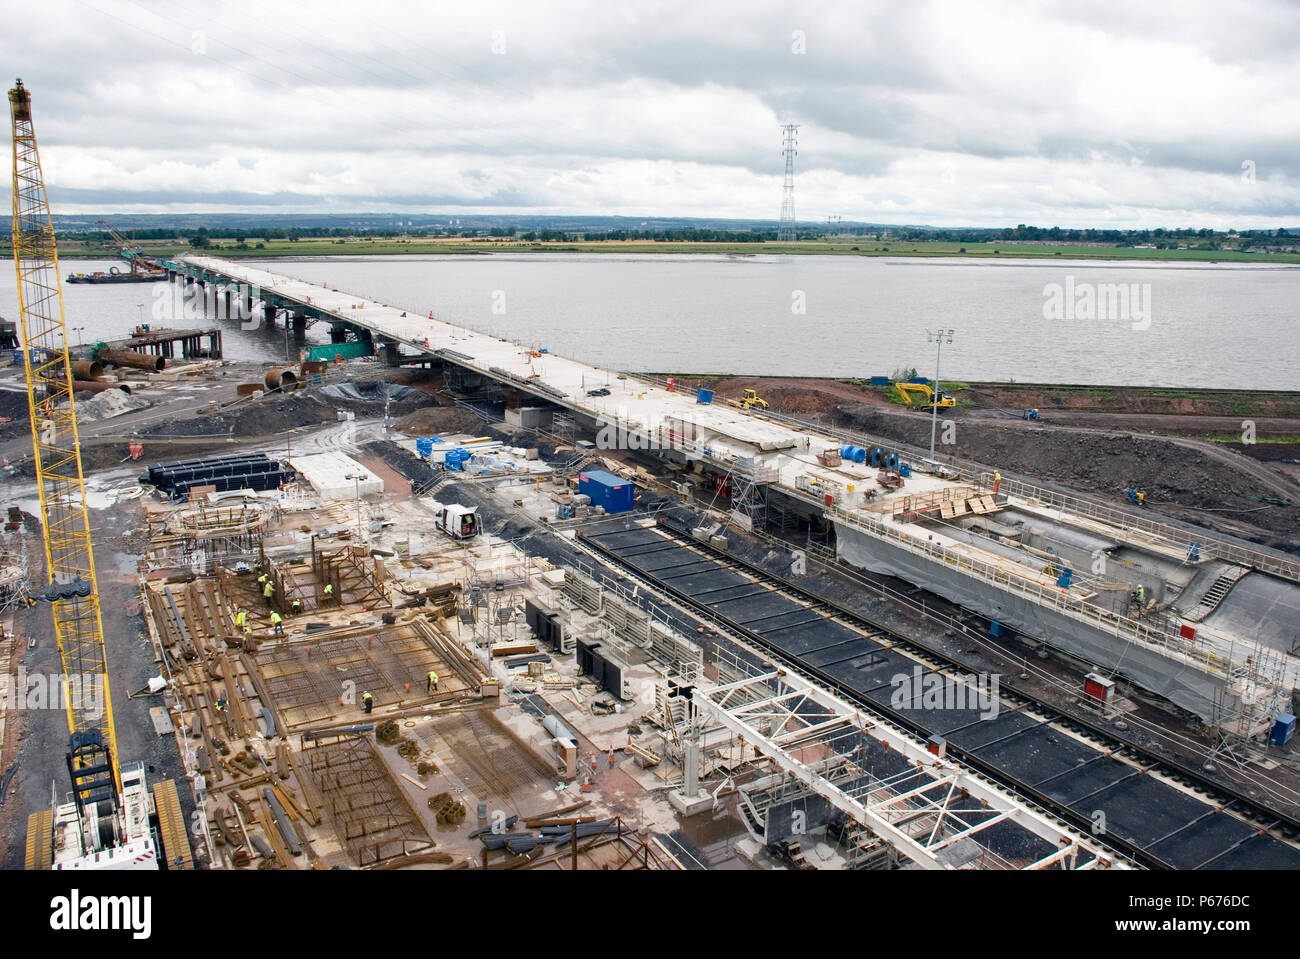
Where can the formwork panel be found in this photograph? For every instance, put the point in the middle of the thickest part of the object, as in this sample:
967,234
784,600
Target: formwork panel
1194,847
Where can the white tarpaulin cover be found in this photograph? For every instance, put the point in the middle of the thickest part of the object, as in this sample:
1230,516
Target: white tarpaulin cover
328,474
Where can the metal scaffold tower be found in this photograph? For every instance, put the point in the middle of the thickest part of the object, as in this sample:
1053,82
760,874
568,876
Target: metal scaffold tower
786,231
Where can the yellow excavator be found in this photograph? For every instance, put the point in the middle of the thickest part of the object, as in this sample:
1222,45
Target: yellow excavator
750,401
920,394
112,819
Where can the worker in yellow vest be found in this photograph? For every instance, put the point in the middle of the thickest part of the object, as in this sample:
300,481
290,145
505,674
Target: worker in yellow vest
367,701
997,482
329,592
432,685
277,623
241,620
267,592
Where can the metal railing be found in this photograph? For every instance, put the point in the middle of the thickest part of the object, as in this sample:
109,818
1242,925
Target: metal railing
1053,597
1170,536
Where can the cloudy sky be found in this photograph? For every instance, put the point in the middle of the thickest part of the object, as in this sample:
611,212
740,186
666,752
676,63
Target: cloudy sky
949,113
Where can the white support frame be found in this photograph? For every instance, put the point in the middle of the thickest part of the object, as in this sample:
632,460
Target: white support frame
923,796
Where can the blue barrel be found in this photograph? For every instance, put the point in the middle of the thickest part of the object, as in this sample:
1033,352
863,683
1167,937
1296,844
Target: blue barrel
859,454
453,461
424,446
846,452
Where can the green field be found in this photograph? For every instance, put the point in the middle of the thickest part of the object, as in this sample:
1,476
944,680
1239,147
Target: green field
427,245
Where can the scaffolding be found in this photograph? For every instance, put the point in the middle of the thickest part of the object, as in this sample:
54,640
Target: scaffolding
200,538
369,813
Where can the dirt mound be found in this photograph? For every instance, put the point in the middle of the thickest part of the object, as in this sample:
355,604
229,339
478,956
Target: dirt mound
13,407
1191,483
784,394
276,412
437,420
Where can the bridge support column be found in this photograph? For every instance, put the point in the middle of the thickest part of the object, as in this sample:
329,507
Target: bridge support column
391,355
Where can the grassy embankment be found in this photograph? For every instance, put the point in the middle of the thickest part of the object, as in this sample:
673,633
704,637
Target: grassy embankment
385,246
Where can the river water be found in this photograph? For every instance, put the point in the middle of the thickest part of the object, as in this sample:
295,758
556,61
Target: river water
1065,321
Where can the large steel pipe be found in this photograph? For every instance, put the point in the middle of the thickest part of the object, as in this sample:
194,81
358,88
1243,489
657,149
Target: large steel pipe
137,361
86,370
284,379
96,387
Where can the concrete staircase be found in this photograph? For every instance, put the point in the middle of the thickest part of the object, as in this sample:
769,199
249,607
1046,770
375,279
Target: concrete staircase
1216,594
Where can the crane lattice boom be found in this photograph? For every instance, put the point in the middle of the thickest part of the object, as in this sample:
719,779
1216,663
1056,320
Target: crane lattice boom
73,591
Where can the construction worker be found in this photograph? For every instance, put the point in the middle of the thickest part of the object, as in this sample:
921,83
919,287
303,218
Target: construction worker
1141,595
329,592
261,580
267,592
1142,498
432,685
241,619
367,701
295,607
277,623
997,481
221,705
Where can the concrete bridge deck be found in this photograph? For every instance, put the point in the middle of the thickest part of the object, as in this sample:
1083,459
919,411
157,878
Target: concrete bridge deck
753,452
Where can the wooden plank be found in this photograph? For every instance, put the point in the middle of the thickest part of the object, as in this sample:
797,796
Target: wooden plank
171,824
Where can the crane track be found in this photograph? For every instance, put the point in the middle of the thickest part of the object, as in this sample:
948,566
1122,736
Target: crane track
1269,835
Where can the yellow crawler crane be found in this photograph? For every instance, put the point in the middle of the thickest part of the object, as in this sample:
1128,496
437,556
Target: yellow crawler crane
106,824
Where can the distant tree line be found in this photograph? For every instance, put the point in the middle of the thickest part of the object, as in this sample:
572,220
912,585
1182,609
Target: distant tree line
1162,238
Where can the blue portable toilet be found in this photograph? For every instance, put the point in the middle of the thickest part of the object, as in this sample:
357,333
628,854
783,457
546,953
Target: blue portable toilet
704,396
1283,730
607,490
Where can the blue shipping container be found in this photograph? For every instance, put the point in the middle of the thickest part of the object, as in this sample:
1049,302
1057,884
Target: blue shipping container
607,490
1283,730
880,381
